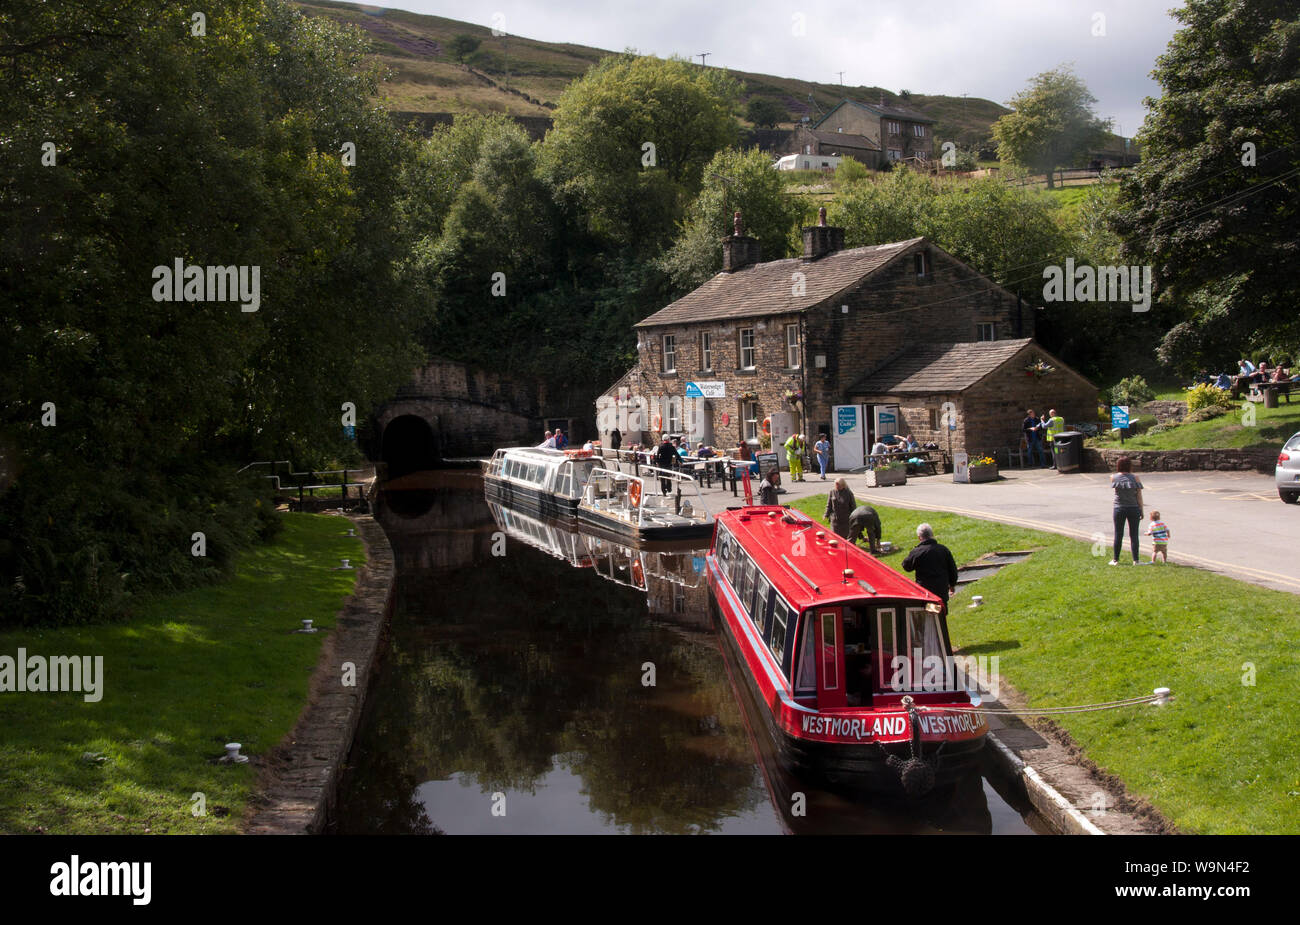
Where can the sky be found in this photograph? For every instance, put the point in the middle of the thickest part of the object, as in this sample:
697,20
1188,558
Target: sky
985,48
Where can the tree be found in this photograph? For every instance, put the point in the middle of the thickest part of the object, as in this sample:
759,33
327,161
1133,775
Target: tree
1052,125
630,140
765,113
462,46
733,181
1214,203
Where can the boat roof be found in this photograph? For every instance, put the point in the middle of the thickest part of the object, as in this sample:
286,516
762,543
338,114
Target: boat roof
769,535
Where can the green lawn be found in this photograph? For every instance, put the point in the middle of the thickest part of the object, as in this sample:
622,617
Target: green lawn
189,673
1269,430
1070,629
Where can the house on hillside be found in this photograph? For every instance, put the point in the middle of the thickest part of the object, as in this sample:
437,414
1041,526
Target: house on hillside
895,133
905,325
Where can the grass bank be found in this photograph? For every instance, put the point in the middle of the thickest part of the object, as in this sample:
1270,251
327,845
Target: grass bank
187,674
1069,629
1268,430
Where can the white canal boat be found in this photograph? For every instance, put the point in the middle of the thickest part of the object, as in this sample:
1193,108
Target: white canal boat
544,482
647,505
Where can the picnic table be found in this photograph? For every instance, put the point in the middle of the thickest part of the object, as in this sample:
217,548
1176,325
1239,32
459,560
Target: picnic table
1259,390
930,460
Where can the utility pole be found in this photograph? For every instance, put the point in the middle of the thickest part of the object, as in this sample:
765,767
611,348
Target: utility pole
841,73
702,55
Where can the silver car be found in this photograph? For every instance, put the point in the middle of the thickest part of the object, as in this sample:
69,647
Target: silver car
1287,474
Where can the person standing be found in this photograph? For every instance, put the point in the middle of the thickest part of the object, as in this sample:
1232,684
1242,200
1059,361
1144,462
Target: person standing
1033,446
823,450
935,568
839,507
1158,530
795,447
767,489
1128,507
615,440
865,520
1055,424
666,458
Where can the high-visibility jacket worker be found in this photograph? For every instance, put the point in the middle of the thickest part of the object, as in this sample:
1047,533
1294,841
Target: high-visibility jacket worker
795,447
1055,424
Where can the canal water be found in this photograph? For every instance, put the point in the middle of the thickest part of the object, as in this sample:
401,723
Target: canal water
539,680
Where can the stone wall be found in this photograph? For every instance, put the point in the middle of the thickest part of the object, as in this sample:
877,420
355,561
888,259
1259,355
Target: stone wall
1182,460
995,407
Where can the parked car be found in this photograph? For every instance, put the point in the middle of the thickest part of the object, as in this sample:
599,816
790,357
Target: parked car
1287,474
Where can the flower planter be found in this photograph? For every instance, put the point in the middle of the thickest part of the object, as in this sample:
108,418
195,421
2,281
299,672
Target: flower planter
883,478
983,474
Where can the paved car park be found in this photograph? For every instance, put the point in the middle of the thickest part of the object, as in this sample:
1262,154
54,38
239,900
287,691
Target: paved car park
1229,522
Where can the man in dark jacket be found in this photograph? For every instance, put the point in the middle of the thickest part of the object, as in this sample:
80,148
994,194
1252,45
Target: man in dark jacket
865,520
936,571
666,458
839,507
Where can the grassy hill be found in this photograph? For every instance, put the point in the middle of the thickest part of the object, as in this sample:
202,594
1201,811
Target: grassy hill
524,77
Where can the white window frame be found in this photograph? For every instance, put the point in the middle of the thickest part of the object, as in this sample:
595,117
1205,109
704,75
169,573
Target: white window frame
986,327
706,351
670,353
792,348
674,414
752,349
918,131
893,128
922,258
749,414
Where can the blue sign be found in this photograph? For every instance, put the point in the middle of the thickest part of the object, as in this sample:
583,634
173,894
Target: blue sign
349,431
1119,415
697,563
847,419
693,391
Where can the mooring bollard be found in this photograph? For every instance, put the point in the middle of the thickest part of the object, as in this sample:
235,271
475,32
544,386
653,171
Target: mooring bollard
232,755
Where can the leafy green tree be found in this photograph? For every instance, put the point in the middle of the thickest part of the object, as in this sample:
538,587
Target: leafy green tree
630,140
1052,124
733,181
850,170
462,46
764,113
1214,203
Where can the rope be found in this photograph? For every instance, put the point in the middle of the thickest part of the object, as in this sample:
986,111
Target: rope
1049,711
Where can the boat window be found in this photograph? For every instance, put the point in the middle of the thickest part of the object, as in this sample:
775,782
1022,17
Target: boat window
830,657
858,666
780,617
746,584
885,617
806,678
758,608
737,567
725,548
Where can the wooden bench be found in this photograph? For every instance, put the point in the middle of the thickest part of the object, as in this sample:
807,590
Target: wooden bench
1284,389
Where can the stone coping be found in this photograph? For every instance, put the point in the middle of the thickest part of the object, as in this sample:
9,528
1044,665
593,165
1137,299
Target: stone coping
296,787
1098,460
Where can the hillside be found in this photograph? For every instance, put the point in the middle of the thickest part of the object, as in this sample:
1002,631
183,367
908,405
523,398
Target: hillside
525,77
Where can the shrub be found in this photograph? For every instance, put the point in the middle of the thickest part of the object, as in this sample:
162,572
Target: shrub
1207,396
1161,428
1204,414
1131,391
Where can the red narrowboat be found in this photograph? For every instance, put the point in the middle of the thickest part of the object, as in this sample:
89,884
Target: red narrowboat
850,659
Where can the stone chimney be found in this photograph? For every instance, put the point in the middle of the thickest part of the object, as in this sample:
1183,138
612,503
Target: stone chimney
821,239
738,251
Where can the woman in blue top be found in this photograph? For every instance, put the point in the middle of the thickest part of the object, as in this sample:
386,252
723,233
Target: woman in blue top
1128,507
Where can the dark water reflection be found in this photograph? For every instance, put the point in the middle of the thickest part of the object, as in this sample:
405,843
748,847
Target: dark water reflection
512,698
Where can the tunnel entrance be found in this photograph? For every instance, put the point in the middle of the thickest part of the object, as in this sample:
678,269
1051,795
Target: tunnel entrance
409,445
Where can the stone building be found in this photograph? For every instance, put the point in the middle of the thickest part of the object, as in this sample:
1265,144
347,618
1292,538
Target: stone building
904,323
882,131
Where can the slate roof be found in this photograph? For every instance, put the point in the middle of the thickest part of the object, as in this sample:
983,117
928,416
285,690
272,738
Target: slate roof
846,139
939,368
765,288
894,112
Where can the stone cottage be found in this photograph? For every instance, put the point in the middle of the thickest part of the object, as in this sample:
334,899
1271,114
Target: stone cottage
904,323
869,132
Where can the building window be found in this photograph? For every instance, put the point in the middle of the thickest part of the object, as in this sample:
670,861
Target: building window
670,353
674,415
807,149
918,131
749,414
934,419
921,262
895,154
893,128
746,348
988,330
792,346
706,351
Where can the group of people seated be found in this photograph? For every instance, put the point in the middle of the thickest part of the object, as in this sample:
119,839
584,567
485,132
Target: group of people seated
1247,373
900,446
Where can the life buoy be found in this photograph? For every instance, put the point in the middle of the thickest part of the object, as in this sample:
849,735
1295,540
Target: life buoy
637,575
767,427
634,493
658,422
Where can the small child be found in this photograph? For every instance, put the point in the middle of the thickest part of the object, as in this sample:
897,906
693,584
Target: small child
1158,530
